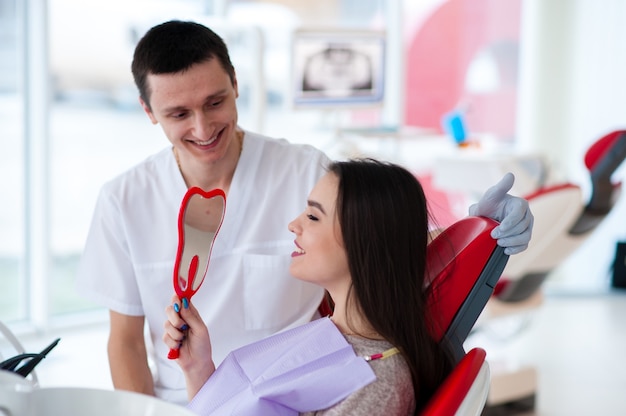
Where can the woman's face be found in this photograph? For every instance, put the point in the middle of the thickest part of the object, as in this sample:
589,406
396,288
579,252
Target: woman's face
319,256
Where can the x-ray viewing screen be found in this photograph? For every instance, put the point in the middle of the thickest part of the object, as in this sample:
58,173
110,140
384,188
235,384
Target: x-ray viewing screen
338,68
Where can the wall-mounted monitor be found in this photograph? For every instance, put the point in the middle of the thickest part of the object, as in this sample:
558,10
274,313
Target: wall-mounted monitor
337,68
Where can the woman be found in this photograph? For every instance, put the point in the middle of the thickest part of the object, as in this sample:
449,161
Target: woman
363,238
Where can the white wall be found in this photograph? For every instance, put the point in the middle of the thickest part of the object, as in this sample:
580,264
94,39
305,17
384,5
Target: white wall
573,90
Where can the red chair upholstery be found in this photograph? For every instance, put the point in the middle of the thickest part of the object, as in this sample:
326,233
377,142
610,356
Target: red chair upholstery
464,392
464,265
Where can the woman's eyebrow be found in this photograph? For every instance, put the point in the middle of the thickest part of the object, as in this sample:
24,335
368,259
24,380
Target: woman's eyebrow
316,205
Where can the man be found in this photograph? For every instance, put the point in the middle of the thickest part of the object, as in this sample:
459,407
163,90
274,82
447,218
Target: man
188,85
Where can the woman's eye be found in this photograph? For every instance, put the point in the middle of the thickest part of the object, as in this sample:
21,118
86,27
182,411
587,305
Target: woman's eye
312,217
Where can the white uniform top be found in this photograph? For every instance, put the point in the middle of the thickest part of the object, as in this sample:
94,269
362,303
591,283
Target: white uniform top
248,294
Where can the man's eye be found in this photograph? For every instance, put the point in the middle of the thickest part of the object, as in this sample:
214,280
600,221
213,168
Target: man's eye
179,115
311,217
213,104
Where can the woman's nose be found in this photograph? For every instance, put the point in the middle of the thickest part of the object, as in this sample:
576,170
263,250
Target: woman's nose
293,226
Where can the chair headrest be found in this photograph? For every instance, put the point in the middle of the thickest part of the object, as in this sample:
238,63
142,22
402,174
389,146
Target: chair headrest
602,147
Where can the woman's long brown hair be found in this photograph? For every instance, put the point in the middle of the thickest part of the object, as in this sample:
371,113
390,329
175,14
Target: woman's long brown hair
383,216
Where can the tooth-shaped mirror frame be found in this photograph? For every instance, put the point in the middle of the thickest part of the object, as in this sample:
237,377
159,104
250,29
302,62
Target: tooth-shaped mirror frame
190,287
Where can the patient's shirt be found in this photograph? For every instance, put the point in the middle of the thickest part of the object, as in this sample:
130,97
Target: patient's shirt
391,394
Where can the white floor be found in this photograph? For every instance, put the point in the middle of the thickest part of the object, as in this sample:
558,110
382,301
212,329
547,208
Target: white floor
577,345
576,342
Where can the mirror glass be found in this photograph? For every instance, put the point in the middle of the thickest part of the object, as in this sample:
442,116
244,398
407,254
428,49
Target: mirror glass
200,217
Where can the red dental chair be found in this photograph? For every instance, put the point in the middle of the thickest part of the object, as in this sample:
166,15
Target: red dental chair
563,221
464,265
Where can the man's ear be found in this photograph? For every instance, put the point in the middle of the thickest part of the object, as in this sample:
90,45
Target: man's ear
147,110
236,86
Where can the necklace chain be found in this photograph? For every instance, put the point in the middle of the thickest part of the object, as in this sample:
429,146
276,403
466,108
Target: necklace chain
177,160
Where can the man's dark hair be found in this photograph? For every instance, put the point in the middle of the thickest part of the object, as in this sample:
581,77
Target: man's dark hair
173,47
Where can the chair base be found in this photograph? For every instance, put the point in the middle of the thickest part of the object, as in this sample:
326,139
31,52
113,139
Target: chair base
517,407
511,385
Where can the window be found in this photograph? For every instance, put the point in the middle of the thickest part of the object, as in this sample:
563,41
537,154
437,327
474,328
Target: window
12,231
70,118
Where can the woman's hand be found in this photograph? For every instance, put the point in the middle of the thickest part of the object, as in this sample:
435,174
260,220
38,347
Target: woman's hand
185,330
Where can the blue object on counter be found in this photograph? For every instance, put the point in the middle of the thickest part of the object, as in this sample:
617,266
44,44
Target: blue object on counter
454,125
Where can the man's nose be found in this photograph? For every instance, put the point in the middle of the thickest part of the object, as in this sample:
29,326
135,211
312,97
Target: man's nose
203,127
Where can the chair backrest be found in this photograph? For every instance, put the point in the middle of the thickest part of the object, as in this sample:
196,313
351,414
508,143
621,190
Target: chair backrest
464,391
602,159
556,209
464,265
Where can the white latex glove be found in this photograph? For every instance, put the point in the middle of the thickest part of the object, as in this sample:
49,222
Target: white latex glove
513,213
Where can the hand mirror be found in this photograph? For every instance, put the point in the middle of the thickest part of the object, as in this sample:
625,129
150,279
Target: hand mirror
199,219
